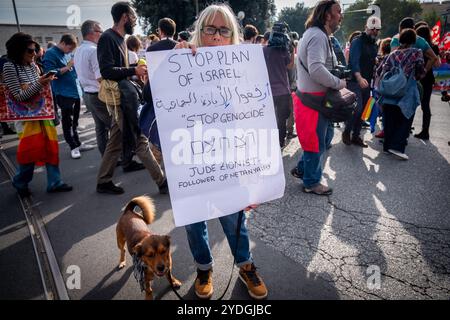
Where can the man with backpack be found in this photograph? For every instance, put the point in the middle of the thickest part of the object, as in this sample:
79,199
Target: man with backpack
279,59
113,61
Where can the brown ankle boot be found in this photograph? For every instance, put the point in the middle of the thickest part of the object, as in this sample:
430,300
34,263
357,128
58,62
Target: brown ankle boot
255,285
203,284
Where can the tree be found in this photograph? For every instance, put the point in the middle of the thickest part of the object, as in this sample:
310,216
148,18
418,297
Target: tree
295,17
150,11
431,17
392,12
355,19
257,12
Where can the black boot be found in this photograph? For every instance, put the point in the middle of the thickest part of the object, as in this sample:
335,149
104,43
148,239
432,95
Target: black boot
422,135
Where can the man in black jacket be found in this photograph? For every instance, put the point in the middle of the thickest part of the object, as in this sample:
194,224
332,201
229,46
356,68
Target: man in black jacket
363,52
113,61
166,30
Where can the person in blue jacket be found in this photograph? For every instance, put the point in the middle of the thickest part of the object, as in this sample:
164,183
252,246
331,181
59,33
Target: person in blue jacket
66,91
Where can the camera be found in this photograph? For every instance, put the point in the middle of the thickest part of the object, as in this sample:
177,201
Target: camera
280,37
341,72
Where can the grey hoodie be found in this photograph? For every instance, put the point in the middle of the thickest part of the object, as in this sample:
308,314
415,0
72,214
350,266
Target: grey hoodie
315,53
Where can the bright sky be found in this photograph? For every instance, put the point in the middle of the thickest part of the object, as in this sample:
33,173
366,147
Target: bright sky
56,12
291,3
308,3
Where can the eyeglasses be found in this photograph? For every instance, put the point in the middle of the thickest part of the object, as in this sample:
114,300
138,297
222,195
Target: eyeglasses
31,50
224,32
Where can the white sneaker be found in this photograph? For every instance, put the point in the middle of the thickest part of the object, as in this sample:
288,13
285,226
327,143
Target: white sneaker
398,154
86,147
75,153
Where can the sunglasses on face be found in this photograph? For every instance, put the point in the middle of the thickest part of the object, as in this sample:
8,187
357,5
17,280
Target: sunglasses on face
31,50
224,32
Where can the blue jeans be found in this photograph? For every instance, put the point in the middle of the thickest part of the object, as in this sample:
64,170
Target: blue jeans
24,175
362,96
197,235
310,163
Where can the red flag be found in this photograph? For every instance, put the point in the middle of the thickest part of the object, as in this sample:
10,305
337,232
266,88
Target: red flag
436,32
445,42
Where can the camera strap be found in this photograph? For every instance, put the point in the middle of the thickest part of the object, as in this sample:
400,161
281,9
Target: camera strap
331,51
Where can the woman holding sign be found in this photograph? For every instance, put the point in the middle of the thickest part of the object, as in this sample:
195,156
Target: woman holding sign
38,142
217,26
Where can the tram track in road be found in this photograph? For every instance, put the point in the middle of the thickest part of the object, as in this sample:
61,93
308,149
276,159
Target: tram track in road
51,277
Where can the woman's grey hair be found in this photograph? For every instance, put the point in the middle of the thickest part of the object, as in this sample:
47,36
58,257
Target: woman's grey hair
207,16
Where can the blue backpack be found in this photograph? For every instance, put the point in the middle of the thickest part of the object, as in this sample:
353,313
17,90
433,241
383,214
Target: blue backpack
393,83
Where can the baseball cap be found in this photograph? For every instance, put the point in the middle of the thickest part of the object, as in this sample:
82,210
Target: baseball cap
373,23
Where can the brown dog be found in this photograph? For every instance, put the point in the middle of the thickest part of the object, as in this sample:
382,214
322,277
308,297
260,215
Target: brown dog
152,250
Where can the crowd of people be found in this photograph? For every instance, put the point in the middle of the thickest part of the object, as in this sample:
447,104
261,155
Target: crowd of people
108,73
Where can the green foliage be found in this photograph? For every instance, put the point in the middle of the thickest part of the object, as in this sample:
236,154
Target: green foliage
295,17
431,17
257,12
354,21
392,12
150,11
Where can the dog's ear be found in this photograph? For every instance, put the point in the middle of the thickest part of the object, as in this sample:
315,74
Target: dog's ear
137,250
167,240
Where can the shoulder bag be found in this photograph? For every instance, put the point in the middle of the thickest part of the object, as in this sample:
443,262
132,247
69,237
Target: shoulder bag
109,92
336,105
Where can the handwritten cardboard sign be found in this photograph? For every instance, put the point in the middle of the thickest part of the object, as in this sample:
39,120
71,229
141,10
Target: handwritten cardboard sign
218,130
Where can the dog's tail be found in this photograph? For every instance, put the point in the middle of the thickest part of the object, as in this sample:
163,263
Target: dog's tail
146,205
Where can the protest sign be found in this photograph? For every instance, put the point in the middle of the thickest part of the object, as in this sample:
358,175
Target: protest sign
218,130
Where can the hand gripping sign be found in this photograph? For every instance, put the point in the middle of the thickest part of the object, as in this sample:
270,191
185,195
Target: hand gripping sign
218,131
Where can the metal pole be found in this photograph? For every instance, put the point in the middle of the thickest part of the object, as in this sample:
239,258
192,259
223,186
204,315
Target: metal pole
196,9
15,13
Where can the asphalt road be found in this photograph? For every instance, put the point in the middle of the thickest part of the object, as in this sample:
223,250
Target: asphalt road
385,215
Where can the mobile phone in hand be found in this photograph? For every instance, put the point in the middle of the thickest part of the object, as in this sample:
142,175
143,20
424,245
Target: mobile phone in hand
50,73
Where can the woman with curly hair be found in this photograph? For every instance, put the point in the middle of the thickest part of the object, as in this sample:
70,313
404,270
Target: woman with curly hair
38,144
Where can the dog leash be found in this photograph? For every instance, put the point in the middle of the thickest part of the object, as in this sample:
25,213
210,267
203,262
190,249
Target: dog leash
238,233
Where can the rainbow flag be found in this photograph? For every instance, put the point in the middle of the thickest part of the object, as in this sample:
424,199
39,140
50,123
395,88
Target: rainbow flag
373,116
442,76
368,109
38,143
